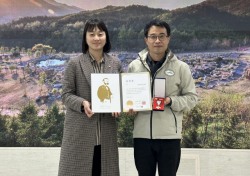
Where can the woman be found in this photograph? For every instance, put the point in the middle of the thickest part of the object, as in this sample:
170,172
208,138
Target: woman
89,145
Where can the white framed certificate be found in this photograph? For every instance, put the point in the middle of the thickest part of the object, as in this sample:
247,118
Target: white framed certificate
136,91
105,92
113,92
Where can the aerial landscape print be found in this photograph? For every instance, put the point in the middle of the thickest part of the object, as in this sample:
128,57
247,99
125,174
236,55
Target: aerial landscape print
37,38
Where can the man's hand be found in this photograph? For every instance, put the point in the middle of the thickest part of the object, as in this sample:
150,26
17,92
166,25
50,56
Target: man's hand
131,112
167,101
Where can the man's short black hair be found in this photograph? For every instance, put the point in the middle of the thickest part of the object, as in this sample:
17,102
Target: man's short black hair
158,23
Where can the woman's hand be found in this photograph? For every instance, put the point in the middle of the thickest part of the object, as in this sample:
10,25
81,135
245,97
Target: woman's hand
87,108
116,114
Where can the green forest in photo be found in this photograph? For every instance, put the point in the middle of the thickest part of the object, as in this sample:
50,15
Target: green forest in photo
218,121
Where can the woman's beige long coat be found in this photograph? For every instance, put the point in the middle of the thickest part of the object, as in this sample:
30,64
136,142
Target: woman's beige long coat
79,137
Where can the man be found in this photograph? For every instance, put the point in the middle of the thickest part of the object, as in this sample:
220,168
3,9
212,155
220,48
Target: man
103,91
157,134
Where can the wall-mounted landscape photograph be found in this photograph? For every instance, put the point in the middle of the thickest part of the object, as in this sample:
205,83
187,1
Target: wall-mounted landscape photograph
38,37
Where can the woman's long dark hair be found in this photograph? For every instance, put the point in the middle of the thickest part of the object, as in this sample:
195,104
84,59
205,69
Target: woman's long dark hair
89,27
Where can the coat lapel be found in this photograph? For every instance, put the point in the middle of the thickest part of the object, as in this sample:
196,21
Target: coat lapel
86,66
108,64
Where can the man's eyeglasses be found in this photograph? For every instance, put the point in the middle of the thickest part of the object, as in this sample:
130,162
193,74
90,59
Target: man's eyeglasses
161,37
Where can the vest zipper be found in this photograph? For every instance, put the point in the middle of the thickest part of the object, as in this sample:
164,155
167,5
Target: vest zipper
174,119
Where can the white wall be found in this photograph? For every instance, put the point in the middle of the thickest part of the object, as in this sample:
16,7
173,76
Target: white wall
15,161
